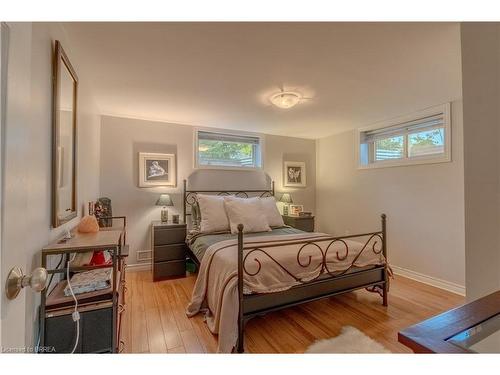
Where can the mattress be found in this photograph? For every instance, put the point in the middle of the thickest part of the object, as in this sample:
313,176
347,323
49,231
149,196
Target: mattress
199,243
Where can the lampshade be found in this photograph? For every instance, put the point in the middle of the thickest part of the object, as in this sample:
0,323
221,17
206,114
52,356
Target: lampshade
164,200
286,198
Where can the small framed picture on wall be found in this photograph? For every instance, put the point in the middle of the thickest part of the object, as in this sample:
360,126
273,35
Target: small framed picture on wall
157,170
294,174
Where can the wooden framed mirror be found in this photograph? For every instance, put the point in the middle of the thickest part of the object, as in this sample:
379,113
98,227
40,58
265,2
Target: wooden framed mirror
65,88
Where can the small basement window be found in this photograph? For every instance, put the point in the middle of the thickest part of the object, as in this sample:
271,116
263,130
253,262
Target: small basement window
225,150
417,139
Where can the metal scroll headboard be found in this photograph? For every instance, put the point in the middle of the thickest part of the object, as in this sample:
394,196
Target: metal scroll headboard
190,196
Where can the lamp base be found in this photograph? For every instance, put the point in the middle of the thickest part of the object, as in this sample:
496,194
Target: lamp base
164,215
285,210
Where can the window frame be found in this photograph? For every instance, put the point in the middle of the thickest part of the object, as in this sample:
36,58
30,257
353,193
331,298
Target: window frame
261,138
445,157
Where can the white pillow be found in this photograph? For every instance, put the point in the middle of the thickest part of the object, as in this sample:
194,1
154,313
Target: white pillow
246,211
269,208
213,214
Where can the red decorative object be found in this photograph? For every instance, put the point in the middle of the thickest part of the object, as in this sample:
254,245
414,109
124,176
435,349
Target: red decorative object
98,259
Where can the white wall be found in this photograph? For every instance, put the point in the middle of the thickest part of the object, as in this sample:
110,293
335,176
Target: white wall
3,85
121,141
27,164
424,204
481,96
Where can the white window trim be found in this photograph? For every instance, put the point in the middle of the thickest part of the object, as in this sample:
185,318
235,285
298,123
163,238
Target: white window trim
415,160
230,132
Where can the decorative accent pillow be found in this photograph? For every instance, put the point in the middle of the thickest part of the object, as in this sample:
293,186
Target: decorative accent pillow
88,225
212,213
246,211
269,208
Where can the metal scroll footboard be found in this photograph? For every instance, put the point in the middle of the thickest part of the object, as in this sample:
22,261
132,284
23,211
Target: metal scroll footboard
326,284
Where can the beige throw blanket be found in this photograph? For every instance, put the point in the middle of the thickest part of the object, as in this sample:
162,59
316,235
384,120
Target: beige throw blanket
216,293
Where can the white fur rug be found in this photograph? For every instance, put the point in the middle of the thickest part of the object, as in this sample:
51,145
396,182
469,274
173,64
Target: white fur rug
350,340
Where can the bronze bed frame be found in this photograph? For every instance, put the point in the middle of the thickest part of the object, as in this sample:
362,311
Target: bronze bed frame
326,284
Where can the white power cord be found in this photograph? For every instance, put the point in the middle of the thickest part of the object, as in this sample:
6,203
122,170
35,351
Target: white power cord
76,314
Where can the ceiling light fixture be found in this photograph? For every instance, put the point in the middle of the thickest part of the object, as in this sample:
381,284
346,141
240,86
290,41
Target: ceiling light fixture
286,99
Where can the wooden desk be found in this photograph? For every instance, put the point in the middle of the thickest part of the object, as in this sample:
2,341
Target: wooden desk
431,335
81,242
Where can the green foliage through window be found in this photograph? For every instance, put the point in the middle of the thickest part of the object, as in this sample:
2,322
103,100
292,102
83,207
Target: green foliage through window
426,142
224,150
228,150
389,148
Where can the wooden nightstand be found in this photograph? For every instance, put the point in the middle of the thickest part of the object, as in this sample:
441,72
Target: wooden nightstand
169,250
305,223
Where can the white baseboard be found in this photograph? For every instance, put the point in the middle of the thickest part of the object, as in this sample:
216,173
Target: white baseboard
438,283
139,267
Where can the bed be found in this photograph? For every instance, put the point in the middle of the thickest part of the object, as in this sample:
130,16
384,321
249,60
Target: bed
244,275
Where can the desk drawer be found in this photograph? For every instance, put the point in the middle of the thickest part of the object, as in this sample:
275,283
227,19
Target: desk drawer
170,236
171,268
169,252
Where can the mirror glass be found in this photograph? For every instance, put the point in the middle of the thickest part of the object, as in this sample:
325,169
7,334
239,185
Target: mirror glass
64,139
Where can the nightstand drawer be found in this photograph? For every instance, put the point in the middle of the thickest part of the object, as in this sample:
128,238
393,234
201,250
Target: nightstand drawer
164,236
169,252
169,269
304,223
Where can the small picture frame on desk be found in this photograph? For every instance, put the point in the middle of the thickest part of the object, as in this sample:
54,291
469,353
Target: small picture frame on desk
295,209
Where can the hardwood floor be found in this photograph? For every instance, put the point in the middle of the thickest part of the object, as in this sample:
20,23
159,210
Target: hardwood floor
155,322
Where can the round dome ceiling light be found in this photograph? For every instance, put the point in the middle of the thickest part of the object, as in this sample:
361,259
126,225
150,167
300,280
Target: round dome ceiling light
285,99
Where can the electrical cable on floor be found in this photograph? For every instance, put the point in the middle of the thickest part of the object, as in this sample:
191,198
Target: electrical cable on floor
76,314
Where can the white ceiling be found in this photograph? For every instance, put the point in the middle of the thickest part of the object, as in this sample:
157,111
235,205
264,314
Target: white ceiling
221,74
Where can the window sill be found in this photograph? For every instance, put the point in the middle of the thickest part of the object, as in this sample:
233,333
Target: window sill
405,162
228,168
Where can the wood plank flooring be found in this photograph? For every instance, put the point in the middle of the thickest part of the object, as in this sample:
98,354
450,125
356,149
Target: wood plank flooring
155,322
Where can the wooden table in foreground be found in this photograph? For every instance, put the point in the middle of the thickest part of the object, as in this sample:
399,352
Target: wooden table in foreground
473,322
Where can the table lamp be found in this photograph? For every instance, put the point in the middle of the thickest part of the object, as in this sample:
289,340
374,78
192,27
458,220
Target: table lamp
164,201
287,199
